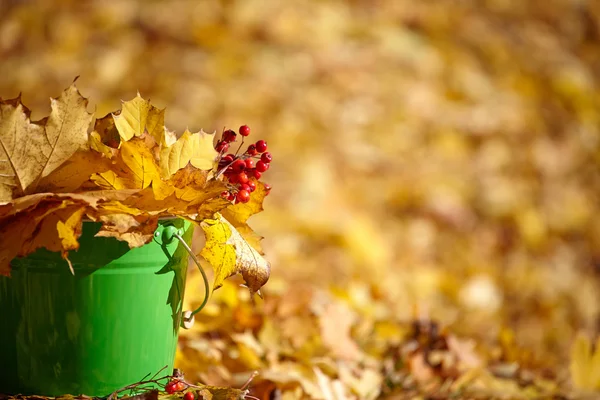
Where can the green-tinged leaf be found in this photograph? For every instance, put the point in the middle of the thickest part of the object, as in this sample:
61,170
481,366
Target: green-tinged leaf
229,254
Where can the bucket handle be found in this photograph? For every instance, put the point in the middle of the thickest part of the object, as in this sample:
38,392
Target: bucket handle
169,232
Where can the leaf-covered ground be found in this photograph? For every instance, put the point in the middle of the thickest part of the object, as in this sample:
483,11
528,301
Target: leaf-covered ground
433,226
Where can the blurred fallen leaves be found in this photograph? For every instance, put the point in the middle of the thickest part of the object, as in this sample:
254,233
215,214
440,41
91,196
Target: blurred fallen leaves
585,363
440,154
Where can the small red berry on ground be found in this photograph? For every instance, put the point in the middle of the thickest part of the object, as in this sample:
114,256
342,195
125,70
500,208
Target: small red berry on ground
189,396
261,146
174,386
244,130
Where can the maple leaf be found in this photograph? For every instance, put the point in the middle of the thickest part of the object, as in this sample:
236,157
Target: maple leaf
134,168
97,144
20,164
229,254
29,150
136,230
16,229
75,172
194,148
238,214
138,116
106,131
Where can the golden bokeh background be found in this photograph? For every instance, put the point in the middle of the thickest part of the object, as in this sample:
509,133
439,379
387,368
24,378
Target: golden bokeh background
437,159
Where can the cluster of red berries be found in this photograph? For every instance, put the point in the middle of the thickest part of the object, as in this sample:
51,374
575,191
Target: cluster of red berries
242,171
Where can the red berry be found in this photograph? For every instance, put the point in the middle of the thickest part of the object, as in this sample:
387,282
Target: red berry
174,386
261,146
267,189
249,163
242,177
262,166
256,174
222,147
251,186
243,196
228,158
238,165
233,178
224,194
229,136
244,130
245,186
266,157
252,150
189,396
231,197
170,388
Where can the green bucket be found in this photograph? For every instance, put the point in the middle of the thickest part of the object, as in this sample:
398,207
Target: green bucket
111,324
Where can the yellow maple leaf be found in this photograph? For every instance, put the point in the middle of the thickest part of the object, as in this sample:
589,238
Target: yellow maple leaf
57,229
138,116
229,254
29,150
19,165
238,214
196,149
98,145
134,168
72,174
65,129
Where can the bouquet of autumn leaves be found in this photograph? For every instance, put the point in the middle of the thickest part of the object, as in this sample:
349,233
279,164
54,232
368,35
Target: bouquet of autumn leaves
126,174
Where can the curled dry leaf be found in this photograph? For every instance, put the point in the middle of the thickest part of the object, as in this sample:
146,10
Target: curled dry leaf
229,254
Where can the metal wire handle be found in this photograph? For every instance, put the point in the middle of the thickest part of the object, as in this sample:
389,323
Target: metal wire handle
168,233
